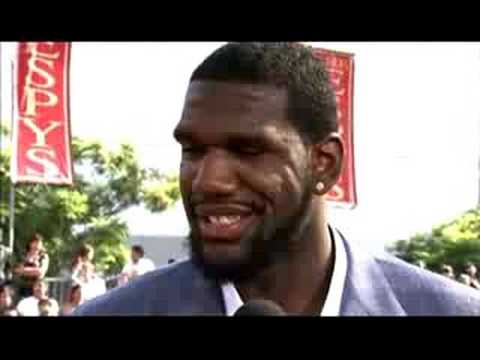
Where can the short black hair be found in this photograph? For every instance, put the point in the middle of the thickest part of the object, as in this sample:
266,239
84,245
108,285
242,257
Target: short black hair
138,249
311,101
85,251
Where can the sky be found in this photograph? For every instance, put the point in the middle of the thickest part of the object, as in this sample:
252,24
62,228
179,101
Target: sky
416,124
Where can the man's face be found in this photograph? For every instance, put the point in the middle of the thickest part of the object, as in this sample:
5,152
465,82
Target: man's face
135,256
5,299
244,177
40,290
35,245
472,270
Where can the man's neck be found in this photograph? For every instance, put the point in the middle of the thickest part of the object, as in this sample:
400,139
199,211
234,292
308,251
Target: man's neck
300,284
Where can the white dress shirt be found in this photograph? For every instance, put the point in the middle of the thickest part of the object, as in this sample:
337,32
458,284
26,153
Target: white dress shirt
142,266
332,304
29,307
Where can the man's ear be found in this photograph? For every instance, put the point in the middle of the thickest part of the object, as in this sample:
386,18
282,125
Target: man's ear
327,162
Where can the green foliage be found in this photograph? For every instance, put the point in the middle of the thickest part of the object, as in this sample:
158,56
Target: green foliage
161,191
105,183
106,235
456,243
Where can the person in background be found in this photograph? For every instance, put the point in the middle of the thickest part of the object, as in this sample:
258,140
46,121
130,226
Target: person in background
33,267
39,302
85,275
470,271
46,308
421,264
465,279
447,271
7,307
75,298
83,269
137,266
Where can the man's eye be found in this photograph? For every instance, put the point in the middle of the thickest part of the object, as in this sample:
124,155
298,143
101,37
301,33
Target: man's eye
249,150
191,150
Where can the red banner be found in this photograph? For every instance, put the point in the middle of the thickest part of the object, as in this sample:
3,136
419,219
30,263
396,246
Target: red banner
41,132
340,67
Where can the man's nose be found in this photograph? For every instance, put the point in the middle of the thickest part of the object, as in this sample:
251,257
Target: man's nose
215,174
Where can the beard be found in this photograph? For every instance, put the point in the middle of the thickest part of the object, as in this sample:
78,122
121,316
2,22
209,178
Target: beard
274,240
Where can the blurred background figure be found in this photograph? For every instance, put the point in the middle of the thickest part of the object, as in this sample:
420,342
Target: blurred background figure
465,279
421,264
32,267
136,266
74,298
4,263
470,271
46,307
447,270
38,302
7,307
85,275
82,267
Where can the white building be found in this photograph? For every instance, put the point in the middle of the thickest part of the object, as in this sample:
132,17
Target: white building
162,235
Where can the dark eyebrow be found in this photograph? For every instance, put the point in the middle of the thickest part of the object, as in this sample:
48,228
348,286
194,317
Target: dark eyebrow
246,140
233,139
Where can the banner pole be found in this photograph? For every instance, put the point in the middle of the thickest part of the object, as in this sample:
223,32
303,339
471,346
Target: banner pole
1,132
12,185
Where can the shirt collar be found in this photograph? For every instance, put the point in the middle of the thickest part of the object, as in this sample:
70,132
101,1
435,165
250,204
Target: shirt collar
331,307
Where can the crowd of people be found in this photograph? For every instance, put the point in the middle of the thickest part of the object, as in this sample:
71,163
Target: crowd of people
27,293
468,276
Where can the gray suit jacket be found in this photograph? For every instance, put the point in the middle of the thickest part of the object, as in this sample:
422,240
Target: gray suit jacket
379,285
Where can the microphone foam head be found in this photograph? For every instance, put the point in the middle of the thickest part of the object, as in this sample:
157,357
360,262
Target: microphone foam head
260,307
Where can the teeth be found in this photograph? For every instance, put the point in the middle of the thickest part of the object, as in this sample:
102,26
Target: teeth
223,220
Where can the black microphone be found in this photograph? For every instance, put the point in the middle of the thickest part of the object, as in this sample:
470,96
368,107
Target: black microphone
260,307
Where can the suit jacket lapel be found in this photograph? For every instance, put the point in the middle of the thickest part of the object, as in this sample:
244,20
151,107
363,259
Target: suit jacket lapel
367,291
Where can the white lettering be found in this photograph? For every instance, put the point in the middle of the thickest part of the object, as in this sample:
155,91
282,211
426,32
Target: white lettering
33,49
30,99
34,68
33,89
46,161
40,134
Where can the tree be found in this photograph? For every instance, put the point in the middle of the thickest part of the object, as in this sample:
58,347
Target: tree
456,243
105,183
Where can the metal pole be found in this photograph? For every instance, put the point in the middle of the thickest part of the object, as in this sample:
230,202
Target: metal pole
1,93
1,152
12,217
12,185
1,131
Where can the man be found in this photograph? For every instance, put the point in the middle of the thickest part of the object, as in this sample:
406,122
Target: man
35,305
260,149
471,273
7,307
33,266
138,265
447,270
